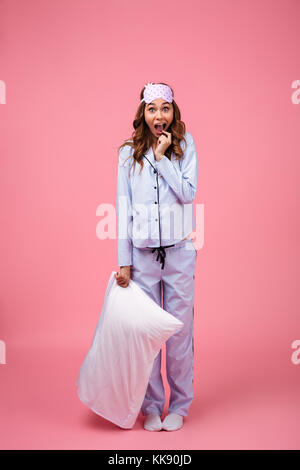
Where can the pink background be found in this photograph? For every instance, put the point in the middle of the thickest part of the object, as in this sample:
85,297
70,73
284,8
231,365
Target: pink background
73,72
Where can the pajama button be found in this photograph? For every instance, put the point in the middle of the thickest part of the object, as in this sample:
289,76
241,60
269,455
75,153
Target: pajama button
154,187
155,202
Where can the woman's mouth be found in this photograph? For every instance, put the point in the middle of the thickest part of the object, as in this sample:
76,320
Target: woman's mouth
160,127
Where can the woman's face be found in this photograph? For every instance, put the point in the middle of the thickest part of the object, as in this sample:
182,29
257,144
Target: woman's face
158,112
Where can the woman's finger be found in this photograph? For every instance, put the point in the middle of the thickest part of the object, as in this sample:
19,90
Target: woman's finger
166,134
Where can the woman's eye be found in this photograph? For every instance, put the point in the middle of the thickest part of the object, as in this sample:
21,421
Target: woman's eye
163,108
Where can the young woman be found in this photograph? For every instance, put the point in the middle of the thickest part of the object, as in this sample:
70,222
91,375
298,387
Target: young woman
157,182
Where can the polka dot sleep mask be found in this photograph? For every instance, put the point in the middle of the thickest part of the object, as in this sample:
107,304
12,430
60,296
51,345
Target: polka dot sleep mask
153,91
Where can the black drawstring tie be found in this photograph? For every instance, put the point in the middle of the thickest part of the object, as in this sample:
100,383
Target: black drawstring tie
161,254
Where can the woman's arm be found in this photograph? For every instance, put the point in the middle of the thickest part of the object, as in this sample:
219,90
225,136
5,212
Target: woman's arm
183,182
124,209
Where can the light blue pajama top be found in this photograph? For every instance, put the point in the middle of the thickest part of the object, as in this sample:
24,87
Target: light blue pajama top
155,208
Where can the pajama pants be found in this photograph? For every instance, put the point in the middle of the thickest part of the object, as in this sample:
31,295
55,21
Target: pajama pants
176,281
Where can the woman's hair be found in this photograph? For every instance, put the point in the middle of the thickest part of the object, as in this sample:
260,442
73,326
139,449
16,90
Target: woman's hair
142,137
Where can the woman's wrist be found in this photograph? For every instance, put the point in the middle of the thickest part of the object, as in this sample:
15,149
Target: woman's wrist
158,156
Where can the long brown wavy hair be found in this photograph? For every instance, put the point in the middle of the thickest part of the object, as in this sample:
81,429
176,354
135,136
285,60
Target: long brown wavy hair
142,136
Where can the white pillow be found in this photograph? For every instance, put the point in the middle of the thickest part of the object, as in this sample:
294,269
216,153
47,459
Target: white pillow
130,332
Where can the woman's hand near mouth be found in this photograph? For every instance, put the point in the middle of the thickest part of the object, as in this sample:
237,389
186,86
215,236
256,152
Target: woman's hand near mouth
163,142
